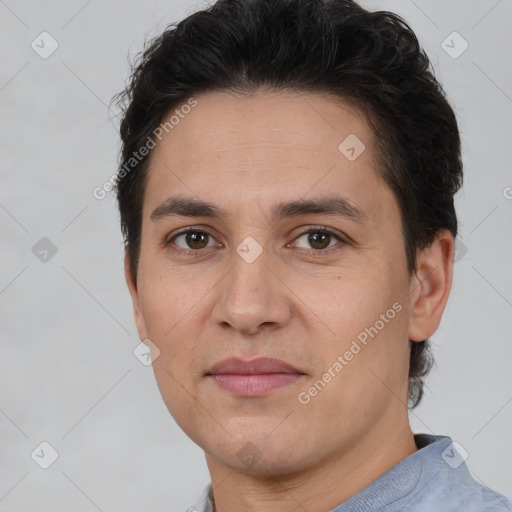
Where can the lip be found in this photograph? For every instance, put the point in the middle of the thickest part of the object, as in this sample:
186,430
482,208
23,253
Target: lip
254,378
261,365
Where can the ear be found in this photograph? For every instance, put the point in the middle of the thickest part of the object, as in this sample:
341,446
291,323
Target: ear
132,286
430,286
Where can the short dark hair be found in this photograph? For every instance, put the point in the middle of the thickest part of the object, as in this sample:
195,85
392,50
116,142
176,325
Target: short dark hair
371,60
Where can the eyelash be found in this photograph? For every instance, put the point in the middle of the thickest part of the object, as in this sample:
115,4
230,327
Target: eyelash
312,229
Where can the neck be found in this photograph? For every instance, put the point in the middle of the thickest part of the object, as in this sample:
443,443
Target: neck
321,487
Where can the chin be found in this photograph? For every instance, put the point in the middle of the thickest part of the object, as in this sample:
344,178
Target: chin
255,452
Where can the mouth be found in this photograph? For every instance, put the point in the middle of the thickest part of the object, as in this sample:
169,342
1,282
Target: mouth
255,378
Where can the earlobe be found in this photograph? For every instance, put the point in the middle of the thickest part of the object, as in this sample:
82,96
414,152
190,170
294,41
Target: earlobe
134,292
430,286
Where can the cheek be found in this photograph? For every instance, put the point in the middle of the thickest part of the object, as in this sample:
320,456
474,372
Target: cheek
367,320
348,300
166,300
173,326
365,369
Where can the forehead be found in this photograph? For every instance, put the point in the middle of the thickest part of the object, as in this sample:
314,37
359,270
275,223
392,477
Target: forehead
265,146
222,120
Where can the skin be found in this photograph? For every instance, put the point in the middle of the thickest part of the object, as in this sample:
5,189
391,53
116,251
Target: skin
297,302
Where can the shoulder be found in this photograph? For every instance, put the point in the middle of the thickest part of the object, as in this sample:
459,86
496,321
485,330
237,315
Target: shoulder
446,484
484,500
452,486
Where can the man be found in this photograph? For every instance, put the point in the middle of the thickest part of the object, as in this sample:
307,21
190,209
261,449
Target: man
286,196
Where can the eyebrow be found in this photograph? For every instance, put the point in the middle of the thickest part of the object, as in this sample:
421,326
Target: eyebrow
327,205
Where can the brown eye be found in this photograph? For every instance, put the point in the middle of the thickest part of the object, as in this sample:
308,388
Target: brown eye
318,240
196,240
192,239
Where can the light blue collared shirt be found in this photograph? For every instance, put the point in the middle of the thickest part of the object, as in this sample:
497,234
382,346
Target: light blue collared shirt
433,479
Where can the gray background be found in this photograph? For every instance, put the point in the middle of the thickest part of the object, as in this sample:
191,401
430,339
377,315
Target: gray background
67,372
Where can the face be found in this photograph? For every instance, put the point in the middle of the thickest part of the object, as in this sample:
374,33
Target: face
295,253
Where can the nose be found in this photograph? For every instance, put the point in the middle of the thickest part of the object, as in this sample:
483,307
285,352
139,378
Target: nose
251,297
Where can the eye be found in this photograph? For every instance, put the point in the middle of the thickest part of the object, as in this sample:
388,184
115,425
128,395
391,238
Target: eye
319,239
191,239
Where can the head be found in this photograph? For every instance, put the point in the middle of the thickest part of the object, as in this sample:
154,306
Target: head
313,136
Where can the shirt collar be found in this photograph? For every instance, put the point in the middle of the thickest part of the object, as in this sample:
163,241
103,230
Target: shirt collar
396,484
